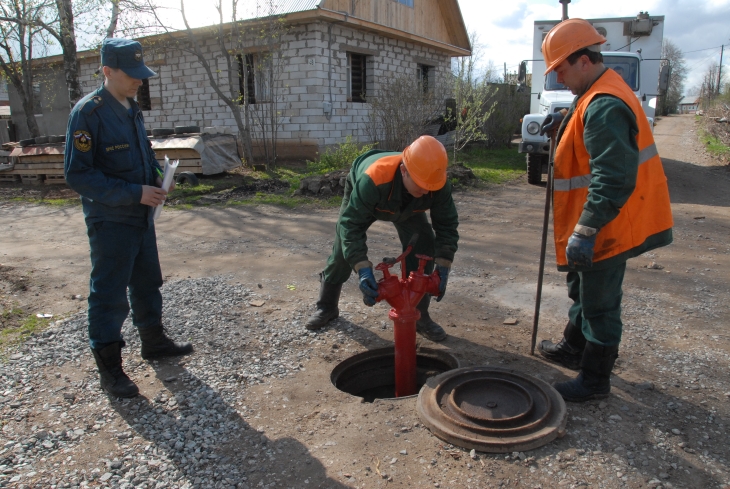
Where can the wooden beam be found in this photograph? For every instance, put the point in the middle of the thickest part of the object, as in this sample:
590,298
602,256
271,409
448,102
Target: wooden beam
451,14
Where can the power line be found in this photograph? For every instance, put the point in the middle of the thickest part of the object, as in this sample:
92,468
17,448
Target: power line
698,50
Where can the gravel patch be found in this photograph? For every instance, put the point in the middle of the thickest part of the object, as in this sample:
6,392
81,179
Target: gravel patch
179,437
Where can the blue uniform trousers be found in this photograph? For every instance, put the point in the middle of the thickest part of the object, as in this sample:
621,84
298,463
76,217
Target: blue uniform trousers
122,256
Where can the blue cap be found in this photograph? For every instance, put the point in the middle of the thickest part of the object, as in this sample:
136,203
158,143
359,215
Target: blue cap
126,55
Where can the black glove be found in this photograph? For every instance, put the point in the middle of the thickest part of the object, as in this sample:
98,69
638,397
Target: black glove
552,122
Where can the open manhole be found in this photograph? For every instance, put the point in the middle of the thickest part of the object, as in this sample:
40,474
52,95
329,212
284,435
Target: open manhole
371,374
492,409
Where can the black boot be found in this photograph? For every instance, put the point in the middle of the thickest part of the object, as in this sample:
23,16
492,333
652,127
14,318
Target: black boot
327,310
569,351
426,326
113,379
594,380
156,344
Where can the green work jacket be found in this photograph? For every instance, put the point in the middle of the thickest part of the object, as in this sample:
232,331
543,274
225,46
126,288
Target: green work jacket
374,191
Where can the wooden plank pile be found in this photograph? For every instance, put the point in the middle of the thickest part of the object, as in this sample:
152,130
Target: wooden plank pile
43,163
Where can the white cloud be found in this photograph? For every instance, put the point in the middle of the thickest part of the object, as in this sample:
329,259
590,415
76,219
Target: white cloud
505,28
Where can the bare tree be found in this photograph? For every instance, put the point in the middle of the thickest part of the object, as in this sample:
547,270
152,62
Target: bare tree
19,37
226,88
709,88
403,109
473,96
678,74
265,64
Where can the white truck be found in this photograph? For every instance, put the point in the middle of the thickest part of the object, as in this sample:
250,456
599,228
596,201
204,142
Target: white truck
633,48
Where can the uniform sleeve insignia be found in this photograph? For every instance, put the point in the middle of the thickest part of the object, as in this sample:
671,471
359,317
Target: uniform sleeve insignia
82,141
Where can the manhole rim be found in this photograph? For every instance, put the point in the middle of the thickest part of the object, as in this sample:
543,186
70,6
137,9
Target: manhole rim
440,354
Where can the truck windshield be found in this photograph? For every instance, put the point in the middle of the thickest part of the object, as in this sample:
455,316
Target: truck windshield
626,66
551,82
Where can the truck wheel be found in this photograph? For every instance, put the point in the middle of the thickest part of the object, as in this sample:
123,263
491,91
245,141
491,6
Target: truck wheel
534,168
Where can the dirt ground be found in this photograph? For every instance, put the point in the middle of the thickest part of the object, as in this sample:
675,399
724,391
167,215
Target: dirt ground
665,424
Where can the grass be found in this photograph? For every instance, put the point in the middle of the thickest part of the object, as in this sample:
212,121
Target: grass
16,329
714,145
284,200
492,165
51,202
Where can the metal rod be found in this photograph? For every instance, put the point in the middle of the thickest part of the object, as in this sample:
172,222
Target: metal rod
543,244
565,9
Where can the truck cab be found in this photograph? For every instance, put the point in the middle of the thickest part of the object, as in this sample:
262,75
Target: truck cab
555,97
633,49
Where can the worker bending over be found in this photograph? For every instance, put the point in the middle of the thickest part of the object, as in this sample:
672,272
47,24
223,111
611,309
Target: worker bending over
400,188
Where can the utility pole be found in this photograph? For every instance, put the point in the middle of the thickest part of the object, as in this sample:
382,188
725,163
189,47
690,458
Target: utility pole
719,70
505,72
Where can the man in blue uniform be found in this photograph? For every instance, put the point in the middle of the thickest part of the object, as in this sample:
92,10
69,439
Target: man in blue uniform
109,161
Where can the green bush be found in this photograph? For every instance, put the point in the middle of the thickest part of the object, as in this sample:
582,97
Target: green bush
338,157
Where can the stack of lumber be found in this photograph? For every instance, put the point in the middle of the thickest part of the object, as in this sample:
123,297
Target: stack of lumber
36,164
206,154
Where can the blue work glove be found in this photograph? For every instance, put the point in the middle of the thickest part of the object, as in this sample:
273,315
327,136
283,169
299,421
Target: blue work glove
368,286
580,250
444,276
552,122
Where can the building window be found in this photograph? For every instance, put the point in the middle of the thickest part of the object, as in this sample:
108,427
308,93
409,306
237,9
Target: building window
143,95
408,3
424,76
356,77
255,85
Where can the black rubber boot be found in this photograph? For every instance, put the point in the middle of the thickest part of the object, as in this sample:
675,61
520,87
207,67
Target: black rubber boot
156,344
569,351
594,380
327,310
425,326
113,379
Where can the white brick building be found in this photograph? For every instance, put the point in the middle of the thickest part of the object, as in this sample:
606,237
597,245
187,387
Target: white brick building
336,52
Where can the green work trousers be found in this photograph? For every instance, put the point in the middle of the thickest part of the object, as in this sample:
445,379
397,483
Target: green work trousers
596,305
338,270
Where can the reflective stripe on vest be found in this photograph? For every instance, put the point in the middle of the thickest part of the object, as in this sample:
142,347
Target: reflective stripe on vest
566,184
647,211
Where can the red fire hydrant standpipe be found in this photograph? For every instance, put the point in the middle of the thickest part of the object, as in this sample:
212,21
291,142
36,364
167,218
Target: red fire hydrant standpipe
404,295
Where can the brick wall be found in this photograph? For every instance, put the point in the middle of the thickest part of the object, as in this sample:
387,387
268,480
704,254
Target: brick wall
182,95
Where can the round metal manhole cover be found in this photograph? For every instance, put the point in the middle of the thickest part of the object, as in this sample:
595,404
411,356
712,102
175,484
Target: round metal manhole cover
492,409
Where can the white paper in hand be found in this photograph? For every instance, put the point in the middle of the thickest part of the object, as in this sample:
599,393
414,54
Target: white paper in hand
166,181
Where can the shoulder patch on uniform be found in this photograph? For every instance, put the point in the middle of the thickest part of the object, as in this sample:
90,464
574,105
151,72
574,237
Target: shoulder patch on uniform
92,104
82,141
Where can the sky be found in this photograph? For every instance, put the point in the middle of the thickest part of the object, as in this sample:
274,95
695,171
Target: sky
505,28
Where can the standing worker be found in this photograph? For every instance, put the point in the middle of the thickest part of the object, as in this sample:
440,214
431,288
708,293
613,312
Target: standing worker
400,188
109,161
611,202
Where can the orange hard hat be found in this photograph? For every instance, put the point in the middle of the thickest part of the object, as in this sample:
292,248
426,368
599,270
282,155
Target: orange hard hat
426,161
566,38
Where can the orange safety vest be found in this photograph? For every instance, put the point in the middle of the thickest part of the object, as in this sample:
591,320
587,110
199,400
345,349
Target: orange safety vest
646,213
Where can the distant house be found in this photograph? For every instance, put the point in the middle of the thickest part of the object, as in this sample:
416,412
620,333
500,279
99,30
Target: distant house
689,104
337,51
